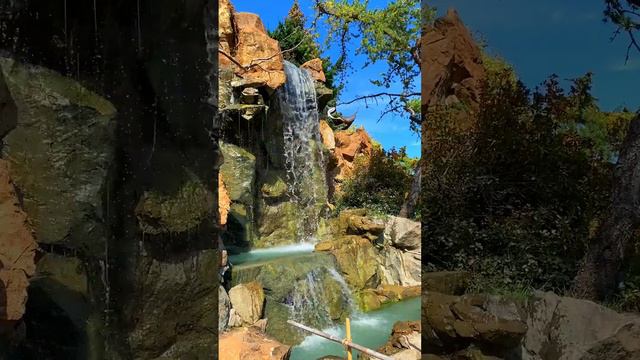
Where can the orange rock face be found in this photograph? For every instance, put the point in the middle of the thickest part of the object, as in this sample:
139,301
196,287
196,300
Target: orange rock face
17,251
350,144
224,201
315,68
244,38
452,68
250,344
328,138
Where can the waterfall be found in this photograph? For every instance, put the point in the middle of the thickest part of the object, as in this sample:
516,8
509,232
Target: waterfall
308,304
346,291
302,149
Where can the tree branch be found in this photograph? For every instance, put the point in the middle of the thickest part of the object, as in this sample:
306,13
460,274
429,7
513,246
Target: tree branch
373,96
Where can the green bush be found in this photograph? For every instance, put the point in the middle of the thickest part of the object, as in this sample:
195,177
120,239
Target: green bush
379,183
516,198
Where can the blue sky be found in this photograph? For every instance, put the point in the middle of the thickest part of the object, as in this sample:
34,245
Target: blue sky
566,37
392,130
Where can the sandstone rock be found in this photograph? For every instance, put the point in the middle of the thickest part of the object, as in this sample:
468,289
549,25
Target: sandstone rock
446,282
578,329
253,43
248,301
314,67
17,251
403,233
224,201
238,173
326,133
452,68
224,307
399,267
251,344
349,145
226,30
234,319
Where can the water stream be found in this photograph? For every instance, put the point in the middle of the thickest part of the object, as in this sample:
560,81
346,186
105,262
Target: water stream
302,152
370,329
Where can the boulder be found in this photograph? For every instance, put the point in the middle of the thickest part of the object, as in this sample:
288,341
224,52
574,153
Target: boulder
224,307
453,323
403,233
17,251
248,301
251,344
578,329
314,67
404,342
397,267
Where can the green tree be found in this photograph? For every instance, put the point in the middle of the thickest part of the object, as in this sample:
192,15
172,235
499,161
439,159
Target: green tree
299,45
390,35
625,14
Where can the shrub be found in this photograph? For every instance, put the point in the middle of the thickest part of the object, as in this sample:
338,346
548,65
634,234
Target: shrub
379,183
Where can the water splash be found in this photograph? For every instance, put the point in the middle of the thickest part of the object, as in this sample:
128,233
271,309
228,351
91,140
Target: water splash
308,303
302,150
346,291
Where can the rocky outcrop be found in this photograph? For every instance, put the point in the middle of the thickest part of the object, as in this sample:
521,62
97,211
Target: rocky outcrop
255,58
79,127
452,69
224,201
106,286
349,145
314,67
248,301
379,258
17,252
565,328
250,344
326,133
454,324
285,279
543,327
404,342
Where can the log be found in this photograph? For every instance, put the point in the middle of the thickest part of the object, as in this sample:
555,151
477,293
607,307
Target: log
333,338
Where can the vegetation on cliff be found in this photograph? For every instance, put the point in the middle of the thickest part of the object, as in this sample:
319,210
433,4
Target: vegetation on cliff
517,198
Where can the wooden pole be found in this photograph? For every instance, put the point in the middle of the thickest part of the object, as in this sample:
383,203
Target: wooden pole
348,327
333,338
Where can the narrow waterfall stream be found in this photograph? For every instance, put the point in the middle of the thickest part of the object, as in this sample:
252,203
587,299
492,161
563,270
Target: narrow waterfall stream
302,150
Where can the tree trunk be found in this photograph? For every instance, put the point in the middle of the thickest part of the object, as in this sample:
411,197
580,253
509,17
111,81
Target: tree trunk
597,277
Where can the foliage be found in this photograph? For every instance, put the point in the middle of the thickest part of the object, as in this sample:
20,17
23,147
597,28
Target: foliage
625,14
516,198
390,34
299,43
380,183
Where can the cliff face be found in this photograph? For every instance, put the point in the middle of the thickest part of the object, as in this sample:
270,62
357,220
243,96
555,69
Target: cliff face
118,187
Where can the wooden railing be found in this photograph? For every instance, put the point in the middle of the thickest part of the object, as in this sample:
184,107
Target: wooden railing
348,344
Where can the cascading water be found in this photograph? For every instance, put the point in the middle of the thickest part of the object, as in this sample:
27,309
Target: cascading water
302,150
311,299
308,303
